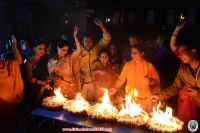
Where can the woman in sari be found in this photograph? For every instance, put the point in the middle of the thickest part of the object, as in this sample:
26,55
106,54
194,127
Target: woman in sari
61,67
36,74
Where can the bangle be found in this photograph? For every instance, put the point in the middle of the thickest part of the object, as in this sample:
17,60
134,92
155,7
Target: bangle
174,35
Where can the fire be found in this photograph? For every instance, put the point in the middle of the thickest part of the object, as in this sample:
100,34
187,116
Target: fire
54,102
182,17
79,102
104,109
105,102
135,93
59,96
131,112
77,105
164,121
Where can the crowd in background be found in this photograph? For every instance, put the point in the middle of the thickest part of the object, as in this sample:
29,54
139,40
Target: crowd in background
30,72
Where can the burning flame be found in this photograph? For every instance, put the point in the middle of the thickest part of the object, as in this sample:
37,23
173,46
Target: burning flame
164,120
105,105
103,110
78,105
182,17
131,112
135,92
163,117
59,96
130,106
79,102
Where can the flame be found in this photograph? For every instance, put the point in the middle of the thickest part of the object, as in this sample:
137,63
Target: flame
59,96
164,120
130,107
182,17
79,102
163,117
77,105
106,104
104,109
132,112
135,93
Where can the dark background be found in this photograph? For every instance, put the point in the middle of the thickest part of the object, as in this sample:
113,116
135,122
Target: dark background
33,19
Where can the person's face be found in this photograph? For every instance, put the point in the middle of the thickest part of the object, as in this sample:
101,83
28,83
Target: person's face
88,43
136,54
104,58
185,54
113,50
63,51
133,41
40,49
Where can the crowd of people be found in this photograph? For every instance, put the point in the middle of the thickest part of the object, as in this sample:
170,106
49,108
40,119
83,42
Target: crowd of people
34,72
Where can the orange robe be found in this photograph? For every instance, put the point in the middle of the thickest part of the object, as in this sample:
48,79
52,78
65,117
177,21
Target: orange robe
134,76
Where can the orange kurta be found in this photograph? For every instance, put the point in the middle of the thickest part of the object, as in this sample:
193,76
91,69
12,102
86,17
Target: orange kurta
134,76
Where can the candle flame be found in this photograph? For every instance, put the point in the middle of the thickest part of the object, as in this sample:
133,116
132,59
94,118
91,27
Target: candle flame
182,17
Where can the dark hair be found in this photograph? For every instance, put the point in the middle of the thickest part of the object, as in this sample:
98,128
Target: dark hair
38,42
190,47
104,51
88,35
62,44
139,47
134,35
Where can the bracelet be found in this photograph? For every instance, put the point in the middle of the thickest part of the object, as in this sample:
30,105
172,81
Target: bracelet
174,35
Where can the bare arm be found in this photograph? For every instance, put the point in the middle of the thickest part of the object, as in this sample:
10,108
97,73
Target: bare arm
17,54
77,42
175,88
155,87
174,37
106,35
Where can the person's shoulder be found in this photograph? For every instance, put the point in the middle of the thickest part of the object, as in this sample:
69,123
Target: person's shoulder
128,63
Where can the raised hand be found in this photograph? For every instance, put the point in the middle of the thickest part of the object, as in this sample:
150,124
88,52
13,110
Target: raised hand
76,31
180,26
98,22
13,40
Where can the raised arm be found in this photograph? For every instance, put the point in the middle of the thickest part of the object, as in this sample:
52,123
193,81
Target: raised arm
174,36
17,54
106,35
77,42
